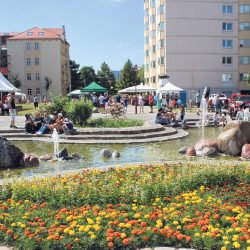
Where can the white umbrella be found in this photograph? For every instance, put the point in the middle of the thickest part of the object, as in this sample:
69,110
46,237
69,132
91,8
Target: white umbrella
136,89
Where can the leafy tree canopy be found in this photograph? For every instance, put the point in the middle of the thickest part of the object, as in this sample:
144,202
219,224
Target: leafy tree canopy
106,77
88,75
16,81
75,75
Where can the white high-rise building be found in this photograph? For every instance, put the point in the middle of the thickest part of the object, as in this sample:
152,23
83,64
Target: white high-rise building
198,43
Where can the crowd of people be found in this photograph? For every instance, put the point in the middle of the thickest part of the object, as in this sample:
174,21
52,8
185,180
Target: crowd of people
46,123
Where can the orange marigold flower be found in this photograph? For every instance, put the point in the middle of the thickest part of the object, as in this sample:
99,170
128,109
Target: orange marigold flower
111,245
125,241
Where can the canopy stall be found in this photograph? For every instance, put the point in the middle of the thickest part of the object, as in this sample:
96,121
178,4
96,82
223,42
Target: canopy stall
75,92
5,85
94,87
168,88
137,89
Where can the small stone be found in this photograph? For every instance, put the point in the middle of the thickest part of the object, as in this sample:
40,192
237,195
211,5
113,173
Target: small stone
191,151
31,161
209,151
245,152
116,154
106,153
183,150
46,157
63,153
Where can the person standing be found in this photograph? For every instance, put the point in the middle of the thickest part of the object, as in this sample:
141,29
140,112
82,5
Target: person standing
35,100
151,102
12,107
198,101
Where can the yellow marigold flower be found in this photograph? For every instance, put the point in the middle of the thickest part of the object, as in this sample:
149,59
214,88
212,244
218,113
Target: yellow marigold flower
90,221
81,228
71,232
128,225
122,225
236,244
197,234
225,237
123,235
157,199
92,236
13,224
69,218
66,230
227,242
76,240
22,225
134,208
223,248
235,237
175,222
238,229
248,248
137,216
178,227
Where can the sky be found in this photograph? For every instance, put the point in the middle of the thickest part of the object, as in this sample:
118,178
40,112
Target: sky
97,30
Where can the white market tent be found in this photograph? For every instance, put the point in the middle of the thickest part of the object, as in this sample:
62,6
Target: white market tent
137,89
75,92
5,85
168,88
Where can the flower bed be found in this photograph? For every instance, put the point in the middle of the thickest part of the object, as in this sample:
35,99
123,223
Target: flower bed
197,206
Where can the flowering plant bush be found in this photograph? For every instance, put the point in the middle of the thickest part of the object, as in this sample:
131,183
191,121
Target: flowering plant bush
126,208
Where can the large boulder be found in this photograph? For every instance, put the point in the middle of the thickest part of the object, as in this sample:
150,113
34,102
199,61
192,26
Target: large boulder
231,141
209,151
10,155
206,143
244,126
245,152
106,153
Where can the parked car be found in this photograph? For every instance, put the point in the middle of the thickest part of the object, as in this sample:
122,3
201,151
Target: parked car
213,96
242,99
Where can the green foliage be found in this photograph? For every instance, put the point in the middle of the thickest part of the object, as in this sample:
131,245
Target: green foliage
113,123
87,75
106,77
129,75
140,74
75,75
16,81
79,111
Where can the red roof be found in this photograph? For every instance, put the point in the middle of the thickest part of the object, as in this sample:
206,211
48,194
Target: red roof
38,33
9,33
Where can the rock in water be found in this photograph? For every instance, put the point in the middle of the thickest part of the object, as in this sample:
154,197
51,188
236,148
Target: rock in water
63,153
116,154
245,153
10,155
31,161
183,150
106,153
209,151
191,151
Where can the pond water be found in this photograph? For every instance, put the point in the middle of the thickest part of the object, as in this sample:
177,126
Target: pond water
130,154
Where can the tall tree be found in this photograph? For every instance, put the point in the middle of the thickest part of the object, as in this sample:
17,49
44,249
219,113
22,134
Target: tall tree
140,74
16,81
129,75
88,75
47,84
106,77
75,75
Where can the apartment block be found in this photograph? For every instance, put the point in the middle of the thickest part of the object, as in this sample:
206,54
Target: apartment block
37,54
198,43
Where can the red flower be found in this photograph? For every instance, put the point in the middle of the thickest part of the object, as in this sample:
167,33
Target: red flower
125,242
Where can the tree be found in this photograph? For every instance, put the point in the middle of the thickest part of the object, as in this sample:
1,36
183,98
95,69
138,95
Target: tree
140,74
87,75
47,83
16,81
129,75
106,77
75,75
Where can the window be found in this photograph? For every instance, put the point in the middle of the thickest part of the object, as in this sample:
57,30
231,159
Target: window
146,40
28,61
153,64
162,60
147,66
27,46
162,43
146,12
36,46
227,44
152,3
152,33
161,26
152,19
29,77
29,33
153,48
227,60
37,91
244,9
244,59
146,26
40,33
227,26
29,92
227,77
37,77
245,43
243,77
160,10
227,9
37,61
154,78
244,26
147,52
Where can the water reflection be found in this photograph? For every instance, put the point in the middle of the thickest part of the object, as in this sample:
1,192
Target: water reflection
130,153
